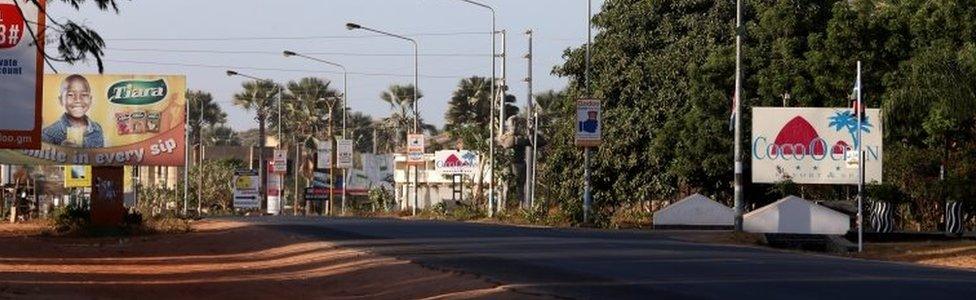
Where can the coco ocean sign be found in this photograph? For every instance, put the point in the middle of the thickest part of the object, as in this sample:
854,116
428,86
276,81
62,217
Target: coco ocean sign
813,145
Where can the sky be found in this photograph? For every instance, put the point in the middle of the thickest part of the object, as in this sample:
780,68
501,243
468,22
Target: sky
202,39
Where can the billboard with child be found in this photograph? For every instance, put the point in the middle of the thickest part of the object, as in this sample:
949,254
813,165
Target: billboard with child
109,120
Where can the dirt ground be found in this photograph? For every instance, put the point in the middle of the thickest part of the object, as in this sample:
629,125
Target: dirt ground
956,254
219,260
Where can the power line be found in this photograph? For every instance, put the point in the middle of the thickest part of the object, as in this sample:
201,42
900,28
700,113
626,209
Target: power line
312,37
211,51
225,67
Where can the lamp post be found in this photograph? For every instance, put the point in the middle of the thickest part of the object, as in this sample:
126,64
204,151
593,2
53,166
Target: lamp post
491,140
416,87
345,98
264,176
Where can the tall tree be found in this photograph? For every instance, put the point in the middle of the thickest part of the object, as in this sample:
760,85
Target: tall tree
212,114
259,96
75,42
401,119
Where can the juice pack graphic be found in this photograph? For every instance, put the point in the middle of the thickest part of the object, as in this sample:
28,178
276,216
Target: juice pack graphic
122,123
138,122
152,121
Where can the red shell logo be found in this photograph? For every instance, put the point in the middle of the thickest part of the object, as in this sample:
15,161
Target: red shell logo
798,134
453,161
11,26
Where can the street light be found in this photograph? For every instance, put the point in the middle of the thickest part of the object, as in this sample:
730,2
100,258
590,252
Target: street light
491,141
345,97
416,87
264,180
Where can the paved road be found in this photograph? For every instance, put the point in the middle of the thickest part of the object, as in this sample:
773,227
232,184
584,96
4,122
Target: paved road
596,264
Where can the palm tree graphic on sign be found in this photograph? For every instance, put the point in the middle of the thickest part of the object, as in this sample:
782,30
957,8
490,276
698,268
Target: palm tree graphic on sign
847,120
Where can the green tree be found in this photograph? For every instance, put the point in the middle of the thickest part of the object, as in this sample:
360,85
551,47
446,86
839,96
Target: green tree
75,42
258,96
212,114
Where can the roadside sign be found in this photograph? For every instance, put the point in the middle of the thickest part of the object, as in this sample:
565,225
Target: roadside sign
280,161
21,74
853,159
415,149
247,189
324,155
344,154
589,126
316,194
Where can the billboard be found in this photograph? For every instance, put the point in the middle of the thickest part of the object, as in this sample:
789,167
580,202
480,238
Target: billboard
453,162
813,145
21,73
109,120
247,189
589,129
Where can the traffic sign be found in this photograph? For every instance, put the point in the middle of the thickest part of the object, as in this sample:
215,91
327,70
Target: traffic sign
280,162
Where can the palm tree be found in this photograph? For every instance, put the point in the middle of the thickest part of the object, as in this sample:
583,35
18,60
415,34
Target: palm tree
259,96
211,112
400,99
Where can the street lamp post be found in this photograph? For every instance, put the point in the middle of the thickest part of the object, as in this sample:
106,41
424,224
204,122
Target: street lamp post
491,140
264,189
345,106
416,101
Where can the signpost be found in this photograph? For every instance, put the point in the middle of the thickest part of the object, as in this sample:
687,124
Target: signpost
21,73
589,133
415,158
247,189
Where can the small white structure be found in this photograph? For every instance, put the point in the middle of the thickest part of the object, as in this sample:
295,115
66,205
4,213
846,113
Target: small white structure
798,216
695,210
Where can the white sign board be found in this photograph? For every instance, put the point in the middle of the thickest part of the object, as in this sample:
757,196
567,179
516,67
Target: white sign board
21,74
452,162
324,155
589,127
379,168
280,162
247,189
415,149
344,154
813,145
275,182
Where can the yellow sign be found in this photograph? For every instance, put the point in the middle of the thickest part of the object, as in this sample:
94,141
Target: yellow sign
77,176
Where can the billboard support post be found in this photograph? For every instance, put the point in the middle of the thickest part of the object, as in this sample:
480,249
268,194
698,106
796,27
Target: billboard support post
861,161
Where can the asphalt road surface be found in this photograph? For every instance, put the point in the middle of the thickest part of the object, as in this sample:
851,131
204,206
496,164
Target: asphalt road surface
602,264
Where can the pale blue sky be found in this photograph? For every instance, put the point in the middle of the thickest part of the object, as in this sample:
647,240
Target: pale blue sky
194,25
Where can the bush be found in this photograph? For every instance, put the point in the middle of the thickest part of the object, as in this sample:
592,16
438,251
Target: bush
71,219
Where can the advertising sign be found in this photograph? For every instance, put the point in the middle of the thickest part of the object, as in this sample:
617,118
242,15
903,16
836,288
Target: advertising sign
379,169
324,156
813,145
247,189
316,194
415,149
451,162
280,162
77,176
274,192
589,130
21,73
344,154
109,120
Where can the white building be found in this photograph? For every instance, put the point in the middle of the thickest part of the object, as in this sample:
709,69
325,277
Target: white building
436,184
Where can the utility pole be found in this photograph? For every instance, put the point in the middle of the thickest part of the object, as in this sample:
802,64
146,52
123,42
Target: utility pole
529,149
587,189
860,166
503,88
186,156
738,189
200,160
